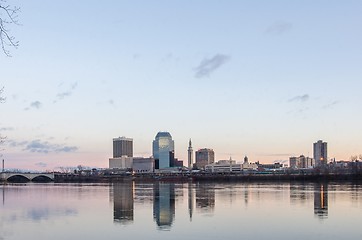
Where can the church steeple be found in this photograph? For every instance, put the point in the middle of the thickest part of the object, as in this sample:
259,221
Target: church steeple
190,155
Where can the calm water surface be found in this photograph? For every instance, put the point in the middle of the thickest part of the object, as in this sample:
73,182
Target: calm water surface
181,211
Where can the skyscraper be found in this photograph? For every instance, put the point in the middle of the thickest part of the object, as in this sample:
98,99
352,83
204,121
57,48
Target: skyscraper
320,153
122,146
163,150
190,155
204,157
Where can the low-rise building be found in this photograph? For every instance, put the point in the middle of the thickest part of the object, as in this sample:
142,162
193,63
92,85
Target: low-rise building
224,166
301,162
143,165
231,166
249,166
123,162
269,166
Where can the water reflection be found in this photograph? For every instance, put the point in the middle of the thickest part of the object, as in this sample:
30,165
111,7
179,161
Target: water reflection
190,200
145,210
32,203
246,194
164,204
123,202
205,196
3,191
321,200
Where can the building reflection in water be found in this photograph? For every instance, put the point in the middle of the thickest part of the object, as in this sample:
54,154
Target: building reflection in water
164,204
246,194
205,197
190,200
300,193
3,187
123,202
321,200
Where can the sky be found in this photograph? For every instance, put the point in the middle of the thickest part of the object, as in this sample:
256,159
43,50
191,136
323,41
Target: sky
264,79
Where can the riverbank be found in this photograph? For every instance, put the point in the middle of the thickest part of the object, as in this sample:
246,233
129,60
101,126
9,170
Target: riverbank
214,177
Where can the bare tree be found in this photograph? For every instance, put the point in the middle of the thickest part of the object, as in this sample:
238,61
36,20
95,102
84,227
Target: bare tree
80,168
2,99
65,169
8,17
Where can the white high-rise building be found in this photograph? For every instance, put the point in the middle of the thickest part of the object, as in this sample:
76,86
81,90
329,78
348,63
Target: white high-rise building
190,155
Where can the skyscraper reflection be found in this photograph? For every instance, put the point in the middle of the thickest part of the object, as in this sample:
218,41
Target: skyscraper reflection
3,187
123,202
190,200
164,204
321,200
246,194
205,197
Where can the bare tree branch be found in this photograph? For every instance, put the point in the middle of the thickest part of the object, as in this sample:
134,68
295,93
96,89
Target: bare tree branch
8,16
2,99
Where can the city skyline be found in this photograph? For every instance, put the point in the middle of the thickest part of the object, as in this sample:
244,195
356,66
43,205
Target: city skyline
257,78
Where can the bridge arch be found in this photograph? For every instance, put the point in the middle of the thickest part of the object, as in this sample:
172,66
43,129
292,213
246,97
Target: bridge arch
26,177
18,178
42,178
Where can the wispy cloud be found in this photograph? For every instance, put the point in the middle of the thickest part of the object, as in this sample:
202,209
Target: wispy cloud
209,65
34,105
13,143
330,105
279,28
7,129
67,93
301,98
111,102
63,95
38,146
46,147
278,155
300,111
65,149
41,164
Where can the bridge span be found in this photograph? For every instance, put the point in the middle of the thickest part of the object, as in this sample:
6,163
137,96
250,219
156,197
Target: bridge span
5,176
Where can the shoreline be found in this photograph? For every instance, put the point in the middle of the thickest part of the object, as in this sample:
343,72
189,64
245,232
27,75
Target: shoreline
310,176
222,177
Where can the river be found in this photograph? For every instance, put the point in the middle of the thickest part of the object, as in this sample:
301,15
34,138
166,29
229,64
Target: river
181,211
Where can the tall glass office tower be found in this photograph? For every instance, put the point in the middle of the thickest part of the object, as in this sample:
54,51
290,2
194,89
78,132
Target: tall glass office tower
163,150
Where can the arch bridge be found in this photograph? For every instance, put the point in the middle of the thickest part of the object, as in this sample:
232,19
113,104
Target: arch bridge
5,176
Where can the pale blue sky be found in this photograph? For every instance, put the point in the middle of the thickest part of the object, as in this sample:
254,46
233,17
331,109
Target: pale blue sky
262,78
